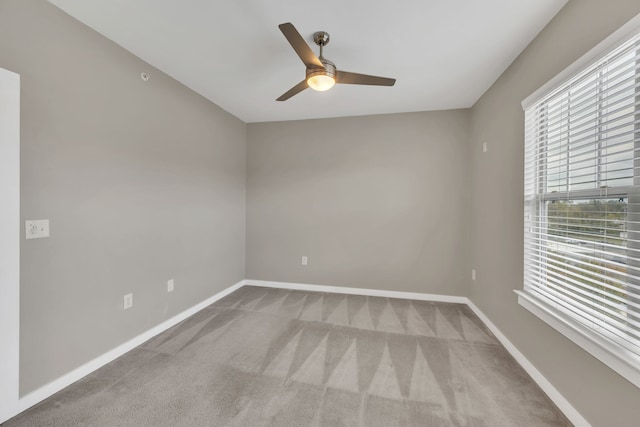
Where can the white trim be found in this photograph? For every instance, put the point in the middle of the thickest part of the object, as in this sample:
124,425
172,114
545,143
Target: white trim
598,347
563,404
9,241
358,291
602,49
84,370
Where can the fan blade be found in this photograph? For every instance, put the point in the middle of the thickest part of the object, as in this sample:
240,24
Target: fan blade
346,77
293,91
299,45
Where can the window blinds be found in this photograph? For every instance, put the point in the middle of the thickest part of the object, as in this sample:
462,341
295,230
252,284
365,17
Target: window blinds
582,198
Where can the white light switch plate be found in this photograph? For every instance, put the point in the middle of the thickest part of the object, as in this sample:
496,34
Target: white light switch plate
305,260
170,285
36,229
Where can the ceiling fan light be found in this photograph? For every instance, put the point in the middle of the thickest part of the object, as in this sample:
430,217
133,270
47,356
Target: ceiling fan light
320,82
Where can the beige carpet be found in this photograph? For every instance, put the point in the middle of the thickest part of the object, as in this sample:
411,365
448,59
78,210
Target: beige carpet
271,357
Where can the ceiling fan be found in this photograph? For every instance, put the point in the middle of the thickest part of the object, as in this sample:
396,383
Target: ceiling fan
321,73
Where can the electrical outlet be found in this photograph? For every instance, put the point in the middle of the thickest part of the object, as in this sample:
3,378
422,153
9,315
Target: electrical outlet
473,274
128,301
170,285
305,260
36,229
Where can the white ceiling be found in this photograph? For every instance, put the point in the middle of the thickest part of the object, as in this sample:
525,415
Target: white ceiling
444,53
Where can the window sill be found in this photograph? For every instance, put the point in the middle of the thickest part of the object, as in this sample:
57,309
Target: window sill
619,359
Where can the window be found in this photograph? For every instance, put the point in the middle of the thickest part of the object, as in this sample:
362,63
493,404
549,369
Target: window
582,206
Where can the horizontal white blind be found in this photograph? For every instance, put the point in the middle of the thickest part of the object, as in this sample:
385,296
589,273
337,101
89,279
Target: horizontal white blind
582,197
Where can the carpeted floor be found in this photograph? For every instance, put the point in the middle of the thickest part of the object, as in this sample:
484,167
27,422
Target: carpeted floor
272,357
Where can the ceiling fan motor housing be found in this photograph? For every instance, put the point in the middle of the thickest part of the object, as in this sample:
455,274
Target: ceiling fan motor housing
328,70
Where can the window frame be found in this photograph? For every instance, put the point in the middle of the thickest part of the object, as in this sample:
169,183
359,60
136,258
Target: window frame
616,356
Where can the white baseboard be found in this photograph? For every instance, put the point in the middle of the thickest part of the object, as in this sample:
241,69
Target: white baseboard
358,291
563,404
45,391
58,384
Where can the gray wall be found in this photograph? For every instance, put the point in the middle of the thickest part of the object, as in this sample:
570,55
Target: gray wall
142,182
602,396
375,202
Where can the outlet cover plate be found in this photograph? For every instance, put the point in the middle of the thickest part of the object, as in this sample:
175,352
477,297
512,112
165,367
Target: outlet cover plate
128,301
37,229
